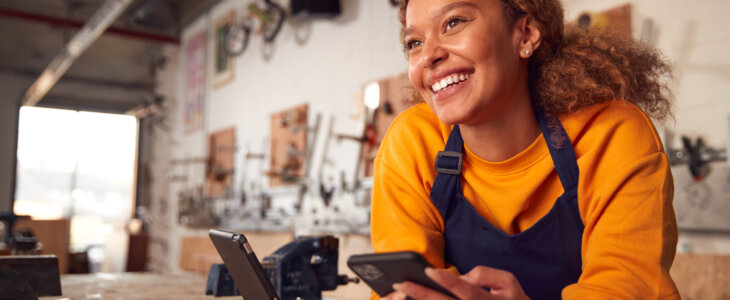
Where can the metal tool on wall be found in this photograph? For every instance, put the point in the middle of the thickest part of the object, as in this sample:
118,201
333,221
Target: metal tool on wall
314,131
269,17
702,187
333,206
238,36
696,154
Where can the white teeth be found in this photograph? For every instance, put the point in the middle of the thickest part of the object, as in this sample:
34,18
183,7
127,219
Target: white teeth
443,83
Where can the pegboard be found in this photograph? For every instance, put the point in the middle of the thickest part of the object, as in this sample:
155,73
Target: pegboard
288,146
219,170
395,97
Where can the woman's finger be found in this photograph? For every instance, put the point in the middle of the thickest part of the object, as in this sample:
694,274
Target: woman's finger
417,291
501,283
490,277
395,296
457,286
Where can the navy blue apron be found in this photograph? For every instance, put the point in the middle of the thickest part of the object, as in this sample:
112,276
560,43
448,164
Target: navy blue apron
546,257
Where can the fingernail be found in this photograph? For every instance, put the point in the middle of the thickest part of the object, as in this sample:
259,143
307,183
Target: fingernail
399,296
431,272
397,286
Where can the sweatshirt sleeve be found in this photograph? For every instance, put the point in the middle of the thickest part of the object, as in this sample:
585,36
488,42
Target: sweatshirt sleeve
403,218
630,235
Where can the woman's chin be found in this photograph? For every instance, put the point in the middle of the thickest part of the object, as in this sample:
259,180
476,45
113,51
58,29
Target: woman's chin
450,118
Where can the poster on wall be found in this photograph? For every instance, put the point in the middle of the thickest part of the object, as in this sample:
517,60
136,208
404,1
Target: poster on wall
223,63
194,82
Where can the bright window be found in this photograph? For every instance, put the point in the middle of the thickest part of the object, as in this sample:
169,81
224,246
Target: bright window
79,165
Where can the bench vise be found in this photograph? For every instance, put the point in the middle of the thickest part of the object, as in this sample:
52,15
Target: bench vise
305,267
301,269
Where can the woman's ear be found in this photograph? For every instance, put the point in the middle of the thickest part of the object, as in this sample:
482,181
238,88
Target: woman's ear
531,37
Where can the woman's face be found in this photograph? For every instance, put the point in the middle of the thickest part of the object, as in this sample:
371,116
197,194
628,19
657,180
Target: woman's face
463,58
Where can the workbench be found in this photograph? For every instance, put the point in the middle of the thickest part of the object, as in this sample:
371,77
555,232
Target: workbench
133,286
698,276
155,286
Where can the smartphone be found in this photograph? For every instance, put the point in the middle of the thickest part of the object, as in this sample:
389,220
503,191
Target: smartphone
245,268
381,270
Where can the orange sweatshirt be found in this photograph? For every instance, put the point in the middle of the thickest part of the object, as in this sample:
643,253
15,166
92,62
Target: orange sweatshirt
625,195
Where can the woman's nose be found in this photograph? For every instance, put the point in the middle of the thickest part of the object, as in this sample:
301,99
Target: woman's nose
432,54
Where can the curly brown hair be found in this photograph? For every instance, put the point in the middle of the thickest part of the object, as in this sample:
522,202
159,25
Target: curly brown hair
576,68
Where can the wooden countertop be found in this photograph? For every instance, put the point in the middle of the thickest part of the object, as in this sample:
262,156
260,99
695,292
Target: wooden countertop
134,286
155,286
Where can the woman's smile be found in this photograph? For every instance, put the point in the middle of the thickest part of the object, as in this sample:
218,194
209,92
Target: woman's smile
444,87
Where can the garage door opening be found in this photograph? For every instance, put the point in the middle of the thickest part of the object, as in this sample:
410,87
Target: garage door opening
79,166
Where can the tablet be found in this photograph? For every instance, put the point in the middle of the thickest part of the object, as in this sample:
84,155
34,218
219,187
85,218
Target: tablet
248,274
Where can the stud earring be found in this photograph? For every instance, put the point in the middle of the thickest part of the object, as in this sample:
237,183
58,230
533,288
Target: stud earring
527,52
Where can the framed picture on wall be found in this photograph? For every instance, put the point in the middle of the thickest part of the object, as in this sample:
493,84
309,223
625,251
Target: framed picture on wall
194,81
223,67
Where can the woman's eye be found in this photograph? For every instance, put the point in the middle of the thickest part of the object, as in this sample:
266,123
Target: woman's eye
451,23
413,44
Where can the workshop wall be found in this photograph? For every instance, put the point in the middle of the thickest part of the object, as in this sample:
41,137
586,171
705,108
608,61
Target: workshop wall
326,62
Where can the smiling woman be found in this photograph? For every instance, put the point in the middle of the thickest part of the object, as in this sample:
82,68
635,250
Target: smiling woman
549,180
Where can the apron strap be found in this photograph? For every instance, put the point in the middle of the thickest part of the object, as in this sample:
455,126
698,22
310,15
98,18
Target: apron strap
561,150
448,168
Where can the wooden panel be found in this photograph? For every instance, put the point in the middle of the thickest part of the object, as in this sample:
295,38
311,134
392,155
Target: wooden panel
197,253
288,145
702,276
395,97
219,173
54,236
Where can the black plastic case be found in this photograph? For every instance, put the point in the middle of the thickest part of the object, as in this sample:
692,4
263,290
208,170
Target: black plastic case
381,270
244,266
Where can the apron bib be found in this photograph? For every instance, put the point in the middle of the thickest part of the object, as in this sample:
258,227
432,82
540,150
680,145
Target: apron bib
546,257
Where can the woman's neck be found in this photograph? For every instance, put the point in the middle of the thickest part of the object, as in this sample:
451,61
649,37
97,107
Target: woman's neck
503,134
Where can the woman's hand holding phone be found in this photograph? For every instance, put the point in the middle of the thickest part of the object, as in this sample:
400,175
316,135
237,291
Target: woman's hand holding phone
502,284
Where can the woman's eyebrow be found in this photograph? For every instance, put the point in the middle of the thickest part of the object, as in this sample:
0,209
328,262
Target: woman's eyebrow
444,10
